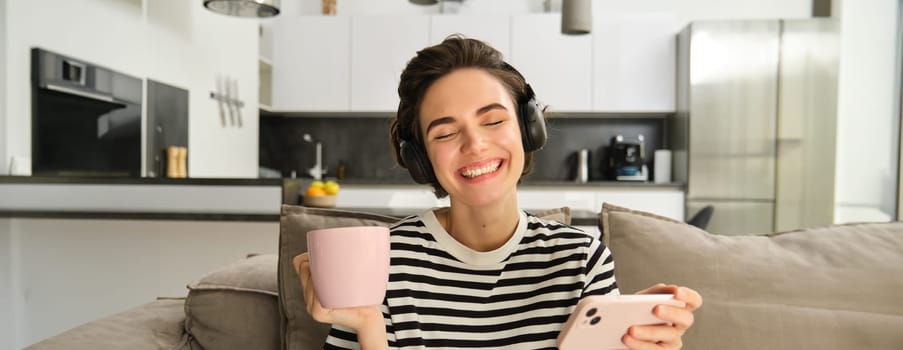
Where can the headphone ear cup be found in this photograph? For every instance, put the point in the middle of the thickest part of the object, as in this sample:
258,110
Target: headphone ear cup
533,125
417,163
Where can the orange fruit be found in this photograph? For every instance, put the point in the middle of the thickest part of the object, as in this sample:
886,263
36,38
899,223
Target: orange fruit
315,191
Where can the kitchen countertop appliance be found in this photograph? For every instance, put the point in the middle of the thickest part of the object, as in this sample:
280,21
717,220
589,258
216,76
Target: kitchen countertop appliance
86,119
627,159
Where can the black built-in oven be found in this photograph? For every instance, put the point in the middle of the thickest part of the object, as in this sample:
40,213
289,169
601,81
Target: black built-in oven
86,119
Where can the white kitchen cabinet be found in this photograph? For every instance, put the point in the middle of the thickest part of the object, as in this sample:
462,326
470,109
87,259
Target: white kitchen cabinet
494,29
388,196
665,201
336,64
311,58
539,198
557,66
634,60
381,46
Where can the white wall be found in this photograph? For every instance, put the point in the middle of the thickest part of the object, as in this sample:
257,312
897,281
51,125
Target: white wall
868,123
3,25
173,41
75,271
109,33
189,46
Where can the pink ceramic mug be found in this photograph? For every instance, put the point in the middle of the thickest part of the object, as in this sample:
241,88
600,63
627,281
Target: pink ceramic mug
349,265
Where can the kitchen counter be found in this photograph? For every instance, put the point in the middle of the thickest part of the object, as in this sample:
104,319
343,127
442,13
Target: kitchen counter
140,198
222,199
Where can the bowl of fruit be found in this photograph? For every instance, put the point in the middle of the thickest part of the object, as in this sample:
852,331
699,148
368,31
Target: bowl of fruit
321,194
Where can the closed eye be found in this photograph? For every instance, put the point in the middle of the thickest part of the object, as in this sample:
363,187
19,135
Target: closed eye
444,136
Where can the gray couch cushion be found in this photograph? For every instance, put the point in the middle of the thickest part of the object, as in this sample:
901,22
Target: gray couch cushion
300,330
833,287
155,325
562,215
236,307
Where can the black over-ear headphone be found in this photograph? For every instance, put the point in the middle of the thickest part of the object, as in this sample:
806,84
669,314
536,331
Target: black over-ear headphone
532,130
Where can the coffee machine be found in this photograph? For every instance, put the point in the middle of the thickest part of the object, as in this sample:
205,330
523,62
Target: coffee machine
627,159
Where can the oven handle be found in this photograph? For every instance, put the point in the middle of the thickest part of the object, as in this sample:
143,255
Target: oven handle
90,95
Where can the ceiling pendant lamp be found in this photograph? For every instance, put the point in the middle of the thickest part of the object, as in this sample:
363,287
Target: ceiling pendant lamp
244,8
576,16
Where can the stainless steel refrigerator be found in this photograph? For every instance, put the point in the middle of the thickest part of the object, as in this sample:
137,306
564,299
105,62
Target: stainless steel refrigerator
754,132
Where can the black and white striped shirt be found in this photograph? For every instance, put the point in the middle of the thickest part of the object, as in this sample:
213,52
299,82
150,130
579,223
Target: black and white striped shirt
442,294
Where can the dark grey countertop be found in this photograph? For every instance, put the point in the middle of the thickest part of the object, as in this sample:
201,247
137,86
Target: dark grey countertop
139,181
35,214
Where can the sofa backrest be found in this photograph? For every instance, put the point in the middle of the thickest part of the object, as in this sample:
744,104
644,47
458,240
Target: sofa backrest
834,287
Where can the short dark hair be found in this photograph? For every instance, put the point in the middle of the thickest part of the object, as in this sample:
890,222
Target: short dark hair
434,62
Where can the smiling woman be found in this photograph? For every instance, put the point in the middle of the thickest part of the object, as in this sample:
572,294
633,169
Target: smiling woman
408,130
476,151
481,272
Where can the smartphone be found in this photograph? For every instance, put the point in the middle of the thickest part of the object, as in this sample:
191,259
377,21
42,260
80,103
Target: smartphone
599,322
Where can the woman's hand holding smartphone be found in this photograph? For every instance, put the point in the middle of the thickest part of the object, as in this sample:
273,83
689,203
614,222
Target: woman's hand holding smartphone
600,322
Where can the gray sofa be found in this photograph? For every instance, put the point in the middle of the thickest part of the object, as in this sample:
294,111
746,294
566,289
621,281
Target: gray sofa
834,287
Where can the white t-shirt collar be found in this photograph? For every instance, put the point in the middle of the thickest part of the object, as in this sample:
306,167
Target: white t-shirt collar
465,253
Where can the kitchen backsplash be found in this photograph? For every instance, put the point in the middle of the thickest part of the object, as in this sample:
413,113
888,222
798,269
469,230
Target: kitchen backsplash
362,145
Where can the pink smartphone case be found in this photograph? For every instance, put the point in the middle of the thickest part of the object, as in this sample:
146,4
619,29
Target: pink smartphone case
599,322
